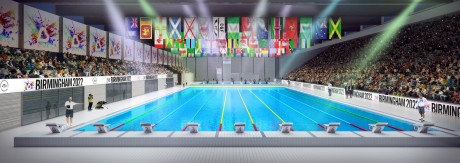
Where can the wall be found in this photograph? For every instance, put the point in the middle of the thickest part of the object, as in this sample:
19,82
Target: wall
161,83
98,92
188,77
293,61
10,110
201,68
138,88
118,91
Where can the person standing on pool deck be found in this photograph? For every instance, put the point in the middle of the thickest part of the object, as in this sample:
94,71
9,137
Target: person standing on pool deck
69,111
329,88
90,101
422,103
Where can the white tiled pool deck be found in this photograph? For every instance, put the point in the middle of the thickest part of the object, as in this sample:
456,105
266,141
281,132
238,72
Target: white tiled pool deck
8,153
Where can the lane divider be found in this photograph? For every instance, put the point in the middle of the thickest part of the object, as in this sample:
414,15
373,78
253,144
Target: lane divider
194,116
360,128
295,110
223,110
145,113
346,111
247,111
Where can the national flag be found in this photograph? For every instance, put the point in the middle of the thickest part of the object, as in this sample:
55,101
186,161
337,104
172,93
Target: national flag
257,53
205,29
305,32
243,43
190,43
262,31
145,29
272,52
263,43
321,29
232,43
231,52
132,27
335,28
233,24
161,32
169,43
291,31
175,27
276,28
191,28
264,52
219,27
175,51
187,52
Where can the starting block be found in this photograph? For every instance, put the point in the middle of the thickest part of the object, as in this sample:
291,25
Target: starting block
423,127
193,127
148,127
56,128
239,127
285,127
378,127
101,127
332,127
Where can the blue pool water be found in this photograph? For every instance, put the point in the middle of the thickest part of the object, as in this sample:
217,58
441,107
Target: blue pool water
262,109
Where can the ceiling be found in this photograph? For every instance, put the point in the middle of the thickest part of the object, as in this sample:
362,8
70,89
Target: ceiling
353,12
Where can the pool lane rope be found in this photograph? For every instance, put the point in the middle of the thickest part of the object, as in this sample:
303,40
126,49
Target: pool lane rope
324,113
346,111
146,112
247,111
223,110
319,124
194,116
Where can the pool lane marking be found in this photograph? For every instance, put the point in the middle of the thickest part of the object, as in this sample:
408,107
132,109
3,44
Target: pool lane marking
223,110
324,113
296,110
194,116
177,109
247,111
146,112
268,107
346,111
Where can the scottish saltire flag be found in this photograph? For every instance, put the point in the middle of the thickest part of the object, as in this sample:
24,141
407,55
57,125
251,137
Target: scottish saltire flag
161,31
219,28
276,28
262,31
175,28
132,27
321,29
305,32
145,29
233,26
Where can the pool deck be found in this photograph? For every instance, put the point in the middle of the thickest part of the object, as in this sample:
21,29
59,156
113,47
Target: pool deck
37,135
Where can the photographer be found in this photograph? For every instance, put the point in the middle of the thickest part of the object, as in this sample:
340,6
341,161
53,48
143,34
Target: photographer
90,102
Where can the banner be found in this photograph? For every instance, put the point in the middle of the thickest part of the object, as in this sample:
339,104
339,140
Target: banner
219,28
145,28
132,27
305,32
74,39
175,28
205,29
9,24
262,30
147,54
41,30
128,50
161,31
276,28
321,28
154,55
114,46
191,28
138,52
335,28
233,24
97,42
291,31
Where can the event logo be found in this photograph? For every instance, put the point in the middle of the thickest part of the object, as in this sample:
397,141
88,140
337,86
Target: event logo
29,85
4,85
109,80
94,80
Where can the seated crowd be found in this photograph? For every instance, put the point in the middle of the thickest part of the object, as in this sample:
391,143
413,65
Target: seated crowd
20,63
424,58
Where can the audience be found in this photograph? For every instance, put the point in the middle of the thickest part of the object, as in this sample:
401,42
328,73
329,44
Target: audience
424,58
20,63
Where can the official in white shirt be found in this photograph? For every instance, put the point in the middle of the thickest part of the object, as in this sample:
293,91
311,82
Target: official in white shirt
422,103
69,111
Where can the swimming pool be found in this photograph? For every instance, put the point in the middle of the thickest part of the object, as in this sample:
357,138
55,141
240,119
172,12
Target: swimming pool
262,109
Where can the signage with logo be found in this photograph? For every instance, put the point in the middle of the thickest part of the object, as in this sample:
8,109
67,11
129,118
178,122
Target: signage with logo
4,86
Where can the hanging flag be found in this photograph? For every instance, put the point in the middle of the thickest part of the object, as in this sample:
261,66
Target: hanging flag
169,43
219,27
232,43
321,29
262,31
187,52
190,28
264,52
249,32
272,52
233,24
190,43
239,52
291,31
305,32
263,43
276,28
257,53
175,51
205,28
175,27
335,28
198,49
145,29
231,52
132,27
243,43
161,32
